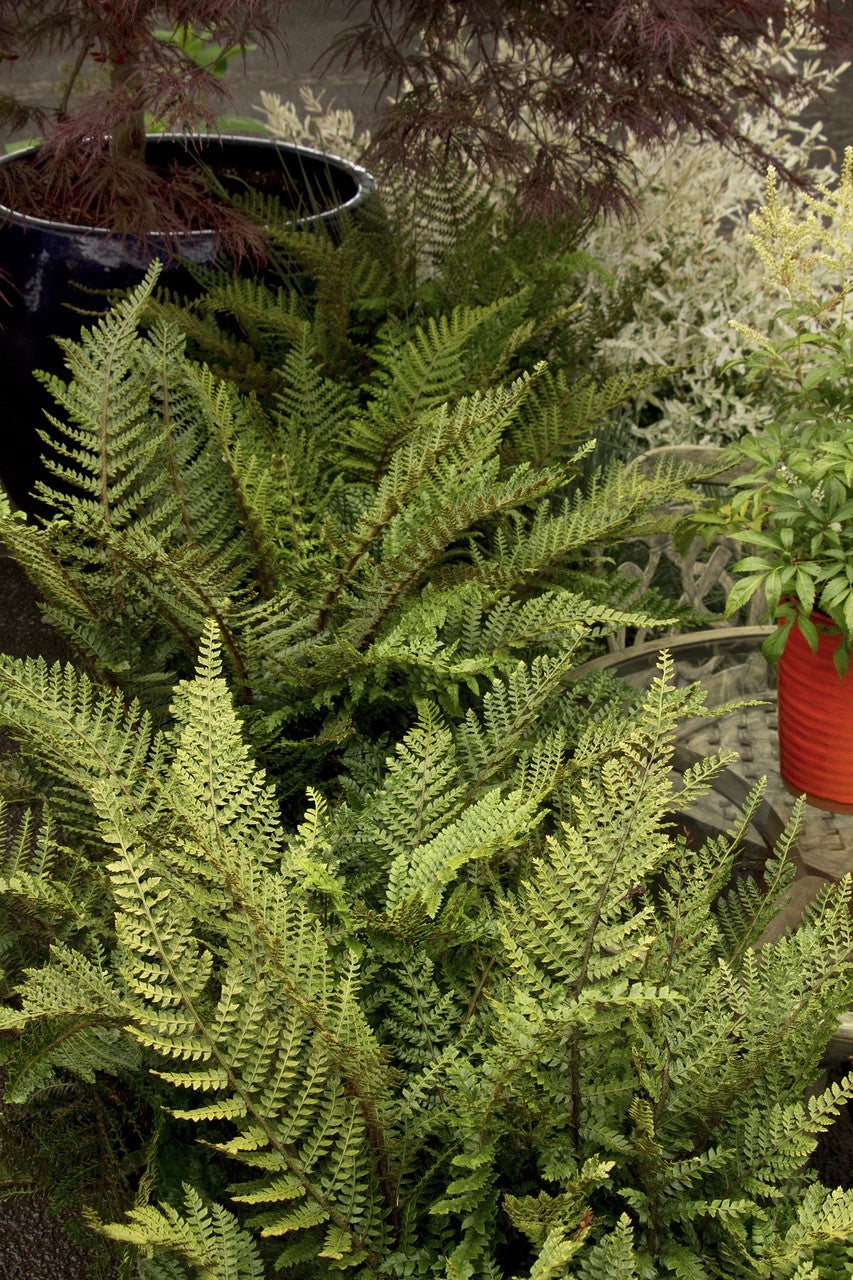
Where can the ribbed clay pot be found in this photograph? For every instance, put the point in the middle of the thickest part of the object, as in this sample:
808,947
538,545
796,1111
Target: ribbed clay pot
816,720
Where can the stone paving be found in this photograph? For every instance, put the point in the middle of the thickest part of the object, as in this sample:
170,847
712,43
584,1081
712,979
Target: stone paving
309,26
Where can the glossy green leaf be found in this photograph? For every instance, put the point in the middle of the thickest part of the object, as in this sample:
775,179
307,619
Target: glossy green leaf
774,646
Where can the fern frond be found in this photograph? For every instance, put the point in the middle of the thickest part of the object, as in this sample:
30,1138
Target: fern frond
613,501
615,1255
78,731
45,895
205,1237
228,354
563,414
242,820
491,826
418,796
452,447
37,551
746,909
413,377
822,1228
490,739
105,447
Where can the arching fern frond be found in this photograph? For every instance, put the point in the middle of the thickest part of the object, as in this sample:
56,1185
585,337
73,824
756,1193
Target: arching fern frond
205,1237
596,517
76,730
105,447
412,377
563,414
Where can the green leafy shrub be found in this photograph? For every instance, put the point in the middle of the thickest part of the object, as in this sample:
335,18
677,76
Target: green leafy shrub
793,502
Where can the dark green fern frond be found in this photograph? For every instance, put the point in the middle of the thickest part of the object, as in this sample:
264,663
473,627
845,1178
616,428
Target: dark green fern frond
490,739
266,316
414,375
488,828
222,349
105,447
187,586
45,893
556,621
450,449
613,501
561,414
44,558
309,403
77,731
420,794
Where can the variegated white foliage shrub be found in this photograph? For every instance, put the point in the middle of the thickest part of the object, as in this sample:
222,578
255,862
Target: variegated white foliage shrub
689,242
686,247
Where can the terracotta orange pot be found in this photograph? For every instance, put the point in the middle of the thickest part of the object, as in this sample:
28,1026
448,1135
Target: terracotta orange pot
816,720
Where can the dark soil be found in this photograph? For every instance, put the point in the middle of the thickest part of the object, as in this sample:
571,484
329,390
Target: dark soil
151,198
833,1157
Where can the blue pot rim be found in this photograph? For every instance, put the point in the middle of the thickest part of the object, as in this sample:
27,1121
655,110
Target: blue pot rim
364,182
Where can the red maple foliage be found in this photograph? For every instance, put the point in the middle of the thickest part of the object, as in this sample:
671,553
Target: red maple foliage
91,167
555,126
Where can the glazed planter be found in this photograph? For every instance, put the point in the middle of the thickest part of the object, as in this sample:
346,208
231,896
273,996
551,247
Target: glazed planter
816,720
53,271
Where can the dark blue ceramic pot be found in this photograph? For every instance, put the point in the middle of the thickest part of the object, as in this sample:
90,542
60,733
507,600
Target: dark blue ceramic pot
53,270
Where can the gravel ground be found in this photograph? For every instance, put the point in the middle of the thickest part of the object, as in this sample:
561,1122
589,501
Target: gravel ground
34,1245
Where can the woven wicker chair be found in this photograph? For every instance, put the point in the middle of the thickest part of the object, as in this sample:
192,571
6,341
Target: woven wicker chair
701,571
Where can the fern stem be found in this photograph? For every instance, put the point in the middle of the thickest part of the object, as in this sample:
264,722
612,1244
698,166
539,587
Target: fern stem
477,994
344,574
249,523
575,1091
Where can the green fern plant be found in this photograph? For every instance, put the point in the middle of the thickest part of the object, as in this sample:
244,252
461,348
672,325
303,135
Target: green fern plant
418,254
430,1029
473,1010
353,541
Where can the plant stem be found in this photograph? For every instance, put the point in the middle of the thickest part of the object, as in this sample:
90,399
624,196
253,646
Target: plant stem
72,80
128,132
